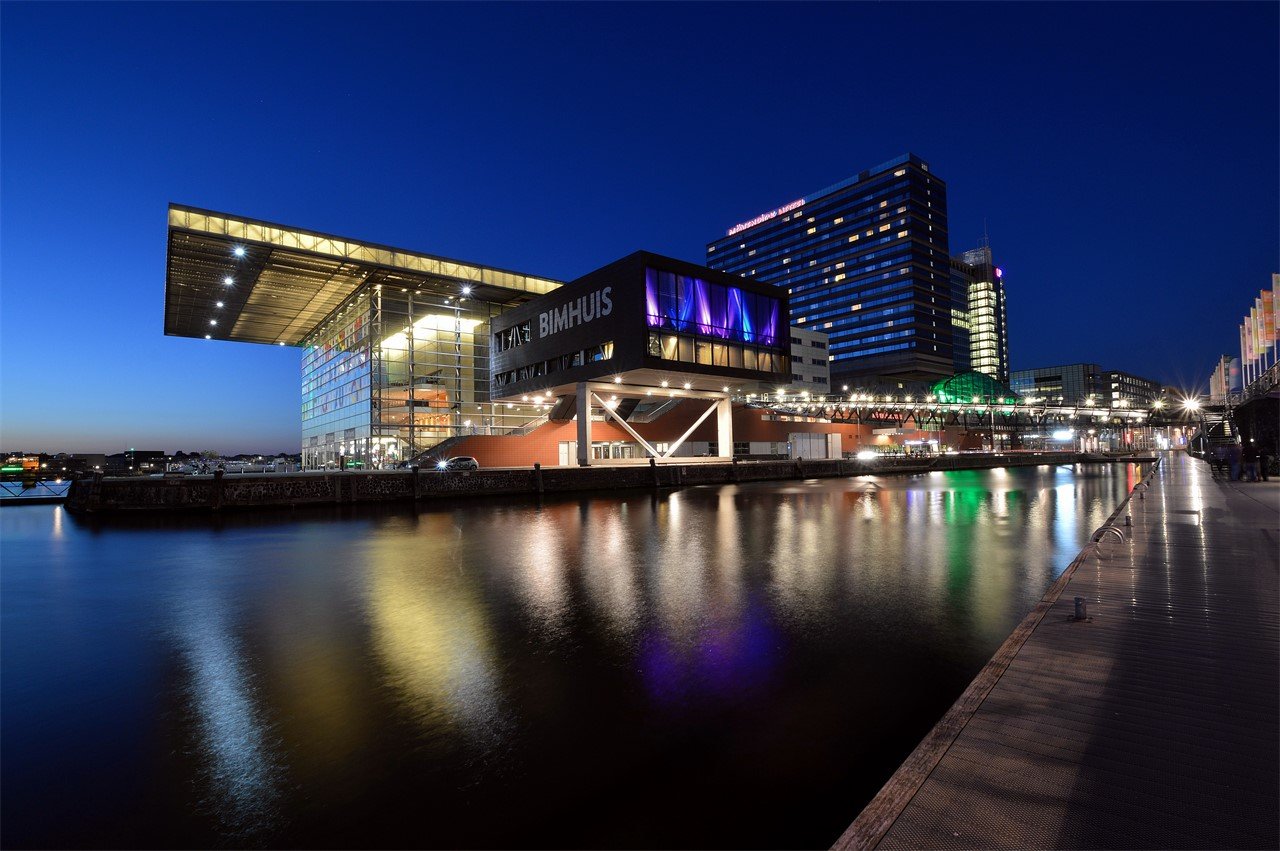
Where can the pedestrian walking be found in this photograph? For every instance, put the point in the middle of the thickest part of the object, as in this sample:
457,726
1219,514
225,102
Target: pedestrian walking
1233,461
1250,454
1219,462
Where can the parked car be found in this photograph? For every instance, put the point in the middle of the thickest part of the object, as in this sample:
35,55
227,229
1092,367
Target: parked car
457,463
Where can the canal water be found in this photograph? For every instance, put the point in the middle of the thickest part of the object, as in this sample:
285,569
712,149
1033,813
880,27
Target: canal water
738,666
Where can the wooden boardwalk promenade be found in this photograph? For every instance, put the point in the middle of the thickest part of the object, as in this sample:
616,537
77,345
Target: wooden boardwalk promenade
1155,724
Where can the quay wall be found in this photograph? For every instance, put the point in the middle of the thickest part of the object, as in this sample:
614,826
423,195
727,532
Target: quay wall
265,490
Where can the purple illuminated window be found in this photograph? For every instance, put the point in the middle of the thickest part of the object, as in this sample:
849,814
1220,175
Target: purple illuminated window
694,306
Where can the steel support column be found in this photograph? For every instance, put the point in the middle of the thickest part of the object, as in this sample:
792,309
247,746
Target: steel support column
584,425
724,428
626,426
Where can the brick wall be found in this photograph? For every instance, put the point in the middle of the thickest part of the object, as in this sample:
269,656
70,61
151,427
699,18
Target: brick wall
542,445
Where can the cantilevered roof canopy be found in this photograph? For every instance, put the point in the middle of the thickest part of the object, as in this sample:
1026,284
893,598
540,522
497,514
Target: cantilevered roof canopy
284,281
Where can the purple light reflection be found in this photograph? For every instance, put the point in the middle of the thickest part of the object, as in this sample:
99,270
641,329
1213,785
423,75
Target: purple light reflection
702,301
684,303
651,298
738,313
726,657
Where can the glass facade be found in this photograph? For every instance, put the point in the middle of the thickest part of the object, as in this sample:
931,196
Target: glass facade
395,371
1132,391
550,366
987,350
1070,384
866,262
336,401
696,321
961,278
988,335
971,388
685,303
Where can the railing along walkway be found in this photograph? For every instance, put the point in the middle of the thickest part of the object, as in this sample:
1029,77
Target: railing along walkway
1153,723
41,491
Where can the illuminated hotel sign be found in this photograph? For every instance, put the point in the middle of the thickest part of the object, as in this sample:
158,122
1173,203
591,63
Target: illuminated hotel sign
580,311
764,217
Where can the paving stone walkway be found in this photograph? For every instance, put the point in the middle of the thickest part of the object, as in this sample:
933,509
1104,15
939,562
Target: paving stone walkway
1156,724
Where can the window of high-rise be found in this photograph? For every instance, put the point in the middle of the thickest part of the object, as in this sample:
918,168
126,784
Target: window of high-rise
865,261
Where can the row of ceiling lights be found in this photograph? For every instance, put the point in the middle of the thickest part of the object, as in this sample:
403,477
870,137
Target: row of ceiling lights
227,281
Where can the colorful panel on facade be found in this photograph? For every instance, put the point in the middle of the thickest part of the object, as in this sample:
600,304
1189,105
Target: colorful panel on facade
694,306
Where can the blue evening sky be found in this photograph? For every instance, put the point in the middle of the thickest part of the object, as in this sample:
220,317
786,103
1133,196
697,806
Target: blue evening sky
1123,157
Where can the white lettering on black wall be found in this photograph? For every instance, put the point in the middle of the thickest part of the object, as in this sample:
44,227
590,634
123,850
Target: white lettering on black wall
580,311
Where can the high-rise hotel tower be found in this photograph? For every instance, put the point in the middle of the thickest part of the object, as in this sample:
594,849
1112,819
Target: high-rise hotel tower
979,297
865,261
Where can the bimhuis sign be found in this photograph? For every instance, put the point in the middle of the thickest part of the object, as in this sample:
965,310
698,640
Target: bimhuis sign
579,311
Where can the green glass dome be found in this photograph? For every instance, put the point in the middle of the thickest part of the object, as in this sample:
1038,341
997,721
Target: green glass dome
971,387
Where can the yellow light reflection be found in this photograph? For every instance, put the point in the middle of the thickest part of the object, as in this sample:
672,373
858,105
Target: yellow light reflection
429,629
435,323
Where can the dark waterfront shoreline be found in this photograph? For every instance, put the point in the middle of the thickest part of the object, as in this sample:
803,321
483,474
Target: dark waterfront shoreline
292,490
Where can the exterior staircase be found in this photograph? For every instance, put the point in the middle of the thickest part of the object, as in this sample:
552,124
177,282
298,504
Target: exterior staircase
429,455
1217,428
647,414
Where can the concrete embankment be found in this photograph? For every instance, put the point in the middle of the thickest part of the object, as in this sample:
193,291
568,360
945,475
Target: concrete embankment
257,491
1145,719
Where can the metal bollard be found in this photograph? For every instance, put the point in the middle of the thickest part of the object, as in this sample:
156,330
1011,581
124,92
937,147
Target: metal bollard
1082,610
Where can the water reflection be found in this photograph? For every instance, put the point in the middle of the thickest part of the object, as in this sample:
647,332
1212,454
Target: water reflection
753,660
430,629
237,769
610,543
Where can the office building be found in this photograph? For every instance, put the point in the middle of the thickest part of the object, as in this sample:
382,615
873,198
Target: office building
983,309
961,280
865,261
810,363
1085,384
1126,390
1070,384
